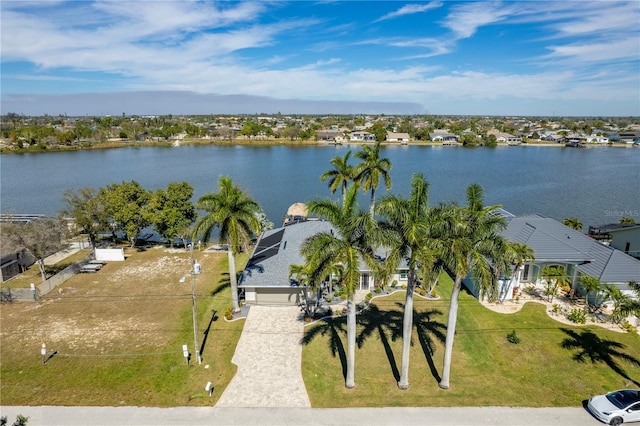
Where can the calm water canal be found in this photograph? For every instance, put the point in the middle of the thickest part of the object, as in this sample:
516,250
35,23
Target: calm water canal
596,185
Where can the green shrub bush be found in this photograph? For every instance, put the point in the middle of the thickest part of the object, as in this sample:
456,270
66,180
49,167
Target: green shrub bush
578,316
513,337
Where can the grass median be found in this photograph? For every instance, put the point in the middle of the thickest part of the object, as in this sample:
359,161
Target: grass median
553,365
115,337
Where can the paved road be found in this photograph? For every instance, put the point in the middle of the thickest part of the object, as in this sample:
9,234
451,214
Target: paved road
106,416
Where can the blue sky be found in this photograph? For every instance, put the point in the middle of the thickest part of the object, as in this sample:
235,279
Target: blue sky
440,57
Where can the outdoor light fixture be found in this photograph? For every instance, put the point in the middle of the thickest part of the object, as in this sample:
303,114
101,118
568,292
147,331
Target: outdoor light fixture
43,352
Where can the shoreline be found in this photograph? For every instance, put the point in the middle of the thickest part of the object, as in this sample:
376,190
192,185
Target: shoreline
274,142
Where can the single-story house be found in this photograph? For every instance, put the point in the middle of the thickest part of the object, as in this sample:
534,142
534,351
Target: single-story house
265,280
362,136
558,245
443,137
398,137
328,135
507,138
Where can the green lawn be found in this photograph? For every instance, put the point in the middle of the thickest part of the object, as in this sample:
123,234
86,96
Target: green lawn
118,335
542,370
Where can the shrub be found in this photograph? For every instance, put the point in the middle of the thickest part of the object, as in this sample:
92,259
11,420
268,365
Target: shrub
377,290
513,337
394,283
368,296
423,292
344,311
434,293
557,309
628,327
228,313
404,286
343,296
578,316
328,299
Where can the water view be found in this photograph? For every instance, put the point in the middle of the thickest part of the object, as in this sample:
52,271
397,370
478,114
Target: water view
596,185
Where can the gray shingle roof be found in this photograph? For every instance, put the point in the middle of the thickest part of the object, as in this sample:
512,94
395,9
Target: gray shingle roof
553,241
270,268
273,271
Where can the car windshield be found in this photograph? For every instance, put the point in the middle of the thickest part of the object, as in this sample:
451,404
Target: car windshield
623,398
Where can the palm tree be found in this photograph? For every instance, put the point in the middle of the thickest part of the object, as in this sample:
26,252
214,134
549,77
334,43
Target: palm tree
371,170
236,214
353,241
573,223
590,285
302,277
621,303
340,175
409,220
555,276
470,244
522,254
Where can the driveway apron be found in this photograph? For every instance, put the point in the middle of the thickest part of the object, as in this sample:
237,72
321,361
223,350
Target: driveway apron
269,360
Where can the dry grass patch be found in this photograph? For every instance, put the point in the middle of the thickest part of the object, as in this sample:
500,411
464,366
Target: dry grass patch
118,334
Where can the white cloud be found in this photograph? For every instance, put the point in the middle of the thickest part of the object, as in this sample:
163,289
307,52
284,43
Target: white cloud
410,9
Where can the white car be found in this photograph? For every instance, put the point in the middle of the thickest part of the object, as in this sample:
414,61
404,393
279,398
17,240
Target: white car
615,408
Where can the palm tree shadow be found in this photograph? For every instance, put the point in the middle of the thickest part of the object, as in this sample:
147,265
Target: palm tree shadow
426,327
334,328
593,348
373,320
223,284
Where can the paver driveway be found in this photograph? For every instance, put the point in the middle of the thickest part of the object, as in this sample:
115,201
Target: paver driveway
269,359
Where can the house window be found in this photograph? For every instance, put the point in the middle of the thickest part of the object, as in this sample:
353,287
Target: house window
403,275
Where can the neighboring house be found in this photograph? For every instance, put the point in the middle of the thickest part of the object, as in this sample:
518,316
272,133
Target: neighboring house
398,137
444,137
603,232
558,245
362,137
627,240
265,279
594,138
328,135
507,138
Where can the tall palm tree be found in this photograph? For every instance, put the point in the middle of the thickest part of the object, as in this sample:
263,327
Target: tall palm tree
470,244
522,254
371,170
590,285
409,220
352,242
236,214
341,174
573,223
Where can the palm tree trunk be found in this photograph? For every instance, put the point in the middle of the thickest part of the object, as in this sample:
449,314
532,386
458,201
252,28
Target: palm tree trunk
351,343
233,280
451,331
373,201
407,328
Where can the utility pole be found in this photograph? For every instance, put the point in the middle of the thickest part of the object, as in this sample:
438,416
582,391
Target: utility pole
193,299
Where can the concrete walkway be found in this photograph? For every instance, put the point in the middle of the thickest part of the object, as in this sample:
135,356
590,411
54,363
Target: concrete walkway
269,360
